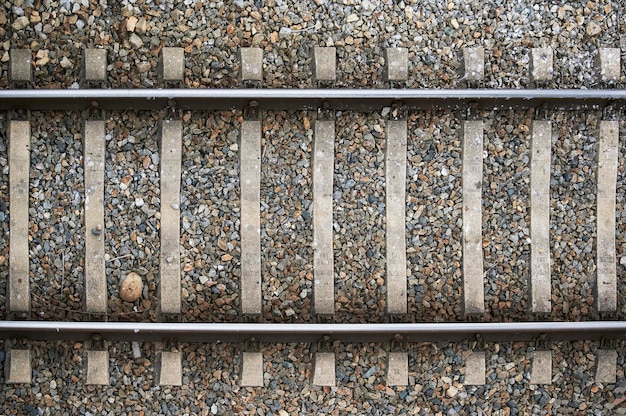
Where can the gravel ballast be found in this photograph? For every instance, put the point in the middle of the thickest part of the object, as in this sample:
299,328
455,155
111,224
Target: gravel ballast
210,242
4,212
620,221
286,223
57,233
210,372
434,216
132,210
506,214
359,214
133,34
572,214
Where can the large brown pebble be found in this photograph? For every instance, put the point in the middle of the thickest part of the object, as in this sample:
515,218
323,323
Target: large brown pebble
131,287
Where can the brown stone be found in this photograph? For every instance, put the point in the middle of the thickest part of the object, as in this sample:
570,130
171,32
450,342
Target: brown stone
593,29
131,22
131,287
142,26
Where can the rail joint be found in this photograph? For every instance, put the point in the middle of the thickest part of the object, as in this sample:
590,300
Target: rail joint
398,344
542,342
252,345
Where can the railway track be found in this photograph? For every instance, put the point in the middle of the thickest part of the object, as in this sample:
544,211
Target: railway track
315,218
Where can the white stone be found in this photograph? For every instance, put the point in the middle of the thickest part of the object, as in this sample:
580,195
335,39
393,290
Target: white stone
21,23
65,62
541,65
452,391
135,41
131,23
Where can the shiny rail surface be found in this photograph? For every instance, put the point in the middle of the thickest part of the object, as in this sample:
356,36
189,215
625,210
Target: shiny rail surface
273,333
289,99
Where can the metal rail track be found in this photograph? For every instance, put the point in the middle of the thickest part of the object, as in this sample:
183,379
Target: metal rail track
289,99
273,333
312,99
279,99
318,99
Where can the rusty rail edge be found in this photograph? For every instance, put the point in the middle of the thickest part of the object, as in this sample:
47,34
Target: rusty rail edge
272,333
293,99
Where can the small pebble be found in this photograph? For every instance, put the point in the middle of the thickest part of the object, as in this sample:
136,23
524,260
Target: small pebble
593,28
135,41
131,287
452,391
21,23
65,62
136,349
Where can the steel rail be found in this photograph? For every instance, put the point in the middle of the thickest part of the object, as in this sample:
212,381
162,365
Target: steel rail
272,333
310,99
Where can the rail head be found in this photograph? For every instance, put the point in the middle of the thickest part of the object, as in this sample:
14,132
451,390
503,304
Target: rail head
272,333
305,99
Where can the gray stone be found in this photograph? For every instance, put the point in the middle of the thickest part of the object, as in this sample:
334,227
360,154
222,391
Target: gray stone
172,64
19,167
323,269
472,217
20,65
251,64
605,216
252,369
97,367
250,174
135,41
609,62
474,63
95,65
18,367
540,287
171,370
169,260
541,64
396,64
324,63
324,369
